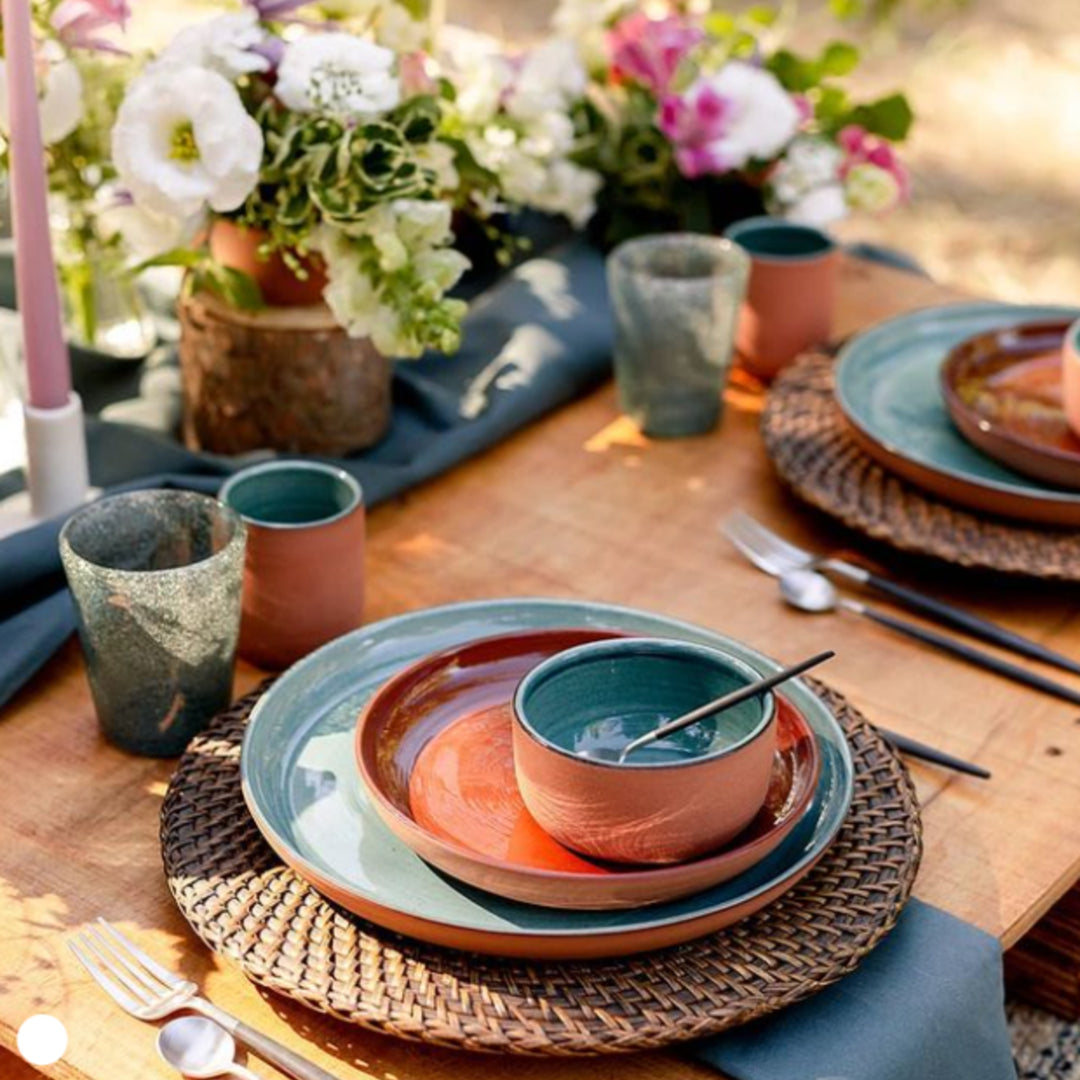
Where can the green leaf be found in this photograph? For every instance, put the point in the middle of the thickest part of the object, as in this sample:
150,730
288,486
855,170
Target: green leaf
761,15
890,117
838,58
189,258
233,286
847,9
719,24
794,73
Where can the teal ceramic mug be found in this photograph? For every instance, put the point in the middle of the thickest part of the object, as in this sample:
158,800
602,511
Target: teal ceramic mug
304,571
791,295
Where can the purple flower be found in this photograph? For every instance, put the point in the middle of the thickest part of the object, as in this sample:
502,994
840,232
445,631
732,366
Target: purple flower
271,10
649,51
78,23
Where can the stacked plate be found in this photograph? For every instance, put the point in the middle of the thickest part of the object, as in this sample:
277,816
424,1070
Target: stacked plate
437,843
965,402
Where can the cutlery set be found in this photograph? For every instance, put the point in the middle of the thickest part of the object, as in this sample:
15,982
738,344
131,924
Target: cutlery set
806,583
148,991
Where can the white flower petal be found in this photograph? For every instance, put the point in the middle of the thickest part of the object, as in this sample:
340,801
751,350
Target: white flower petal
228,143
337,73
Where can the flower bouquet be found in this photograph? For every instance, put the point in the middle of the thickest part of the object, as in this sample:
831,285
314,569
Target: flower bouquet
302,174
695,123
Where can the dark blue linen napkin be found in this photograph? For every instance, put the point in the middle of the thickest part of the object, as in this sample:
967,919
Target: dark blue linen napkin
927,1004
538,338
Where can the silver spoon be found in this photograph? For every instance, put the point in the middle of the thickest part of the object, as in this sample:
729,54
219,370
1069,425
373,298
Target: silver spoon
200,1049
808,590
736,697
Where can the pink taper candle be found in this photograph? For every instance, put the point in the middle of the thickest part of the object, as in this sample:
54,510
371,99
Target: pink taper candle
47,366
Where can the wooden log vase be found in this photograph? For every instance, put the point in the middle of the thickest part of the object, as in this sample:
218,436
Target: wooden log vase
284,378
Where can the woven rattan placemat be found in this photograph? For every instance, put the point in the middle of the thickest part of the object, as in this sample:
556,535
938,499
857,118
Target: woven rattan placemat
814,452
251,909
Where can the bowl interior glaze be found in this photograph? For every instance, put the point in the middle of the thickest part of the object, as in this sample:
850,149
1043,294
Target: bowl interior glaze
600,696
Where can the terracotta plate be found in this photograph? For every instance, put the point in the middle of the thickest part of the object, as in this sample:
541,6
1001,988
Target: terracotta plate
888,386
304,791
1003,391
435,750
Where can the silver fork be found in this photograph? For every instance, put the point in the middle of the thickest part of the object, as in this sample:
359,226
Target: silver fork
777,556
148,991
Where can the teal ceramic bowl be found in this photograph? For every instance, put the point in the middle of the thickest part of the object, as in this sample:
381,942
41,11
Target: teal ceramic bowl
674,800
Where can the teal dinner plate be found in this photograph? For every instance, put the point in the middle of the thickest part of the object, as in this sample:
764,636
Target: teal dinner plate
303,788
888,386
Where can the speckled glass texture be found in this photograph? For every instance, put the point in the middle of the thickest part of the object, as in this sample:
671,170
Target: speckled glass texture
676,300
156,578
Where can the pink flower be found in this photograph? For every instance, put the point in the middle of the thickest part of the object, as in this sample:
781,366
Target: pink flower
78,23
727,120
415,76
695,123
806,109
649,51
862,148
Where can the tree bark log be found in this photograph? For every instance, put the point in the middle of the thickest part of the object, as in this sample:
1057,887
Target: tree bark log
279,378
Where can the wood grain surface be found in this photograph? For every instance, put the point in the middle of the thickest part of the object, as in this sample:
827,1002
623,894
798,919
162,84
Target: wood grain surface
580,505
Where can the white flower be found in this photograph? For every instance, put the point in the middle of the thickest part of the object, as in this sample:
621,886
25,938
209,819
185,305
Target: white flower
439,158
143,232
481,74
398,30
570,190
871,188
224,44
337,73
819,208
423,223
60,94
586,22
551,134
551,78
442,268
761,119
809,162
183,141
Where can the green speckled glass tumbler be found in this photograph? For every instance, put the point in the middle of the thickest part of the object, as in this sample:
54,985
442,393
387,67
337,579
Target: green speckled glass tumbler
156,578
676,299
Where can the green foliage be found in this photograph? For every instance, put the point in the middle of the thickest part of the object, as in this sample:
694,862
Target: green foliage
890,117
205,275
319,169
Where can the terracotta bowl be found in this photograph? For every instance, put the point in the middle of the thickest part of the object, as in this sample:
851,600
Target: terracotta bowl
1070,377
1005,392
674,800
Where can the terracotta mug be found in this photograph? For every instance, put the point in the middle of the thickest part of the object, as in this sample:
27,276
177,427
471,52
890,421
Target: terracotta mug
1070,376
791,295
304,569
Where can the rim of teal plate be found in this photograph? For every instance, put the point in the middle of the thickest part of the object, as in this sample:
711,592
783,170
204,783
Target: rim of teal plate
846,781
851,354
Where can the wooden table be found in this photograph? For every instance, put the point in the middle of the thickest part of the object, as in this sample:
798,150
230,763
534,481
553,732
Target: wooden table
577,506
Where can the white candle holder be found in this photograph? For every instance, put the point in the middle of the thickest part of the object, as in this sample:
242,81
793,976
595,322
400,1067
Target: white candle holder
57,471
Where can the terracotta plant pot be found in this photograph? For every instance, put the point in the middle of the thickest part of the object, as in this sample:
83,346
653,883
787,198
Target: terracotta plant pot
280,378
792,292
236,246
